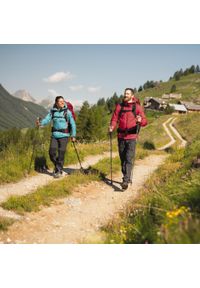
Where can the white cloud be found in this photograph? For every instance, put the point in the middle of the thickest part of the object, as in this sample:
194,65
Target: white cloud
53,92
94,89
76,87
59,77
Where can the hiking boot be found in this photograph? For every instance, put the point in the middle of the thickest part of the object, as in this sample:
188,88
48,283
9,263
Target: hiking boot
55,171
124,185
58,174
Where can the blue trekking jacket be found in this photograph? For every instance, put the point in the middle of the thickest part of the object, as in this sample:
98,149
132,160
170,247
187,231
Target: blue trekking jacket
61,119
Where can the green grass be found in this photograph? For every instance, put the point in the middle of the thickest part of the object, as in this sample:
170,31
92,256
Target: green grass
167,210
188,85
87,149
46,195
15,161
155,132
5,223
188,126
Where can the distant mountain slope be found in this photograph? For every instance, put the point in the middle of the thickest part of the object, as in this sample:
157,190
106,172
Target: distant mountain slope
24,95
47,103
188,85
17,113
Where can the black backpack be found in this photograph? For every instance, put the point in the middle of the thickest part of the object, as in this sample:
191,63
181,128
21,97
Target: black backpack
124,111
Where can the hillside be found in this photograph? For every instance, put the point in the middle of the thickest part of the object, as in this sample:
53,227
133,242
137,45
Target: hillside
16,112
47,103
188,85
167,209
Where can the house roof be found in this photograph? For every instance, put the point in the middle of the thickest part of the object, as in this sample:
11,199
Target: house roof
191,105
146,99
172,95
178,107
158,100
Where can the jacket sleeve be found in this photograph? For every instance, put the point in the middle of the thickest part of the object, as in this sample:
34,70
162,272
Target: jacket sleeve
140,111
46,120
72,122
115,116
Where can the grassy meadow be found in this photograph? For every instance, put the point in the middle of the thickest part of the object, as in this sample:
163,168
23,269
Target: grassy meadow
188,86
18,150
167,210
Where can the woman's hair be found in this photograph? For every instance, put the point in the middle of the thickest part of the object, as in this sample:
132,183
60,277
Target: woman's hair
57,98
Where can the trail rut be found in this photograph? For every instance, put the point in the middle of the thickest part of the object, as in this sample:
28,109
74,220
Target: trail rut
78,218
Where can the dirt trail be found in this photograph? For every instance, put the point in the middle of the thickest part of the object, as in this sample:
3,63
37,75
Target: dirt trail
170,122
77,219
31,183
178,135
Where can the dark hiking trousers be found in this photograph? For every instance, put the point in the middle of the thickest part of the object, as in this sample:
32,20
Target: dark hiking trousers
60,146
127,156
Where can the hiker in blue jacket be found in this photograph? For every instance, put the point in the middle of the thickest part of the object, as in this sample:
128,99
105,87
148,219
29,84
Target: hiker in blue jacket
63,127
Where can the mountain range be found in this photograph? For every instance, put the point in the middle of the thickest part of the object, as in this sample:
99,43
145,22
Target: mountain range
16,112
24,95
47,102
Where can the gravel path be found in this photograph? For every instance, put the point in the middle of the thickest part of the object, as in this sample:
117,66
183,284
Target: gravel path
170,122
78,218
31,183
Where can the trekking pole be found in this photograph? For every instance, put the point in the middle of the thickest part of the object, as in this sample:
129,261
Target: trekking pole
111,180
82,169
137,132
34,145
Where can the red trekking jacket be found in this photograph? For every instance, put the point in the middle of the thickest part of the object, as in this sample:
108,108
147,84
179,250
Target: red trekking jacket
127,120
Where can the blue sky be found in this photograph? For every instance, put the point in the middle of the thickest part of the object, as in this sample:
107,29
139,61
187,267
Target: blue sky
88,72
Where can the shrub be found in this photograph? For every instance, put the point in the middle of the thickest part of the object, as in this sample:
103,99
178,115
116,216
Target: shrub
149,145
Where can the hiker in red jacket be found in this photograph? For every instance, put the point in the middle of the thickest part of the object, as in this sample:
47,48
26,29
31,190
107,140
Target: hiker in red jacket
129,116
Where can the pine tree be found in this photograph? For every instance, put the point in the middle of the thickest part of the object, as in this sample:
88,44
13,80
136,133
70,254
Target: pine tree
186,72
140,89
173,89
135,90
177,76
101,102
111,102
192,69
197,69
181,72
82,120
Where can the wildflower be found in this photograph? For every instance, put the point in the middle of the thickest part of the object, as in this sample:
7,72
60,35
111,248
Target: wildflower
180,211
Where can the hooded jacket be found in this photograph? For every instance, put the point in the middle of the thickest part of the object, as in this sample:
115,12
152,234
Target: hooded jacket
61,119
127,120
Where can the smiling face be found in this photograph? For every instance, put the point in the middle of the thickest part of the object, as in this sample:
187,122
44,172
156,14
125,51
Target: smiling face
60,103
128,94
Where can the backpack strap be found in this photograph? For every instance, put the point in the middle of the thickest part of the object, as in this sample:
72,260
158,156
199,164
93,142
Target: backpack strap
124,111
63,116
133,130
